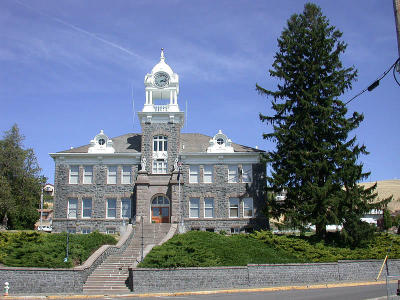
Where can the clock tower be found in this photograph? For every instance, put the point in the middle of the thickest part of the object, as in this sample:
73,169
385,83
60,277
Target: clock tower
161,119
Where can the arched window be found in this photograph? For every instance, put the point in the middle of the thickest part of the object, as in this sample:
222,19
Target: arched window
160,209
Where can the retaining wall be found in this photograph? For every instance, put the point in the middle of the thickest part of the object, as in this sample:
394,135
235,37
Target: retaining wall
41,280
180,279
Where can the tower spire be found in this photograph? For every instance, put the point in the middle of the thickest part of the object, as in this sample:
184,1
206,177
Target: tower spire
162,58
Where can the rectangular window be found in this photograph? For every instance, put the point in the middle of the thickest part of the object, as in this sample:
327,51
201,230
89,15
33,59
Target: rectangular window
232,173
72,212
74,174
86,208
159,166
194,174
247,172
111,208
126,208
247,207
233,207
88,174
126,175
110,230
112,175
208,174
86,230
208,207
194,208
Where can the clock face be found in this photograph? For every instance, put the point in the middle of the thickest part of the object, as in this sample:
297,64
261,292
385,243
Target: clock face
161,79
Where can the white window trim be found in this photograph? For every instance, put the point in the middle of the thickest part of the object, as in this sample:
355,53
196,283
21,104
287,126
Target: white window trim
212,173
238,208
123,175
198,208
84,174
235,173
193,172
252,208
160,170
108,174
70,175
248,173
130,206
69,210
116,215
91,208
213,208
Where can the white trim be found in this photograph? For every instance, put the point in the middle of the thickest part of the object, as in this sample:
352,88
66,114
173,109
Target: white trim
75,175
198,207
252,207
130,207
85,172
68,209
91,207
213,208
201,158
108,174
194,171
238,208
94,159
107,217
124,174
212,173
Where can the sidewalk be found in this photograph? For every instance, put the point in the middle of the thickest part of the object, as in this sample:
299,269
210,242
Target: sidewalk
187,293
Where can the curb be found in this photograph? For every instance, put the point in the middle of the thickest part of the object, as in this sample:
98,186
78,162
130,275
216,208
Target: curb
211,292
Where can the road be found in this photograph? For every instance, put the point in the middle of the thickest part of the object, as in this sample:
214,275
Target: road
342,293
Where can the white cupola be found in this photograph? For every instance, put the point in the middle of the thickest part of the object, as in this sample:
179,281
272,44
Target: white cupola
101,144
162,89
161,84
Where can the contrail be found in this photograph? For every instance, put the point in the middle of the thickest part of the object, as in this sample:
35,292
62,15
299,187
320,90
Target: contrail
80,30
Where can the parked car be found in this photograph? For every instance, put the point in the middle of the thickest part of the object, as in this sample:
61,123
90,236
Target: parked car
45,228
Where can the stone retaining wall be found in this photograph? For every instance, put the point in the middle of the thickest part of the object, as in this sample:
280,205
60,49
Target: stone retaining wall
40,280
161,280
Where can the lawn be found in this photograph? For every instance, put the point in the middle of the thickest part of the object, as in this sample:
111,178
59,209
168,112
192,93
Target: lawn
207,249
34,249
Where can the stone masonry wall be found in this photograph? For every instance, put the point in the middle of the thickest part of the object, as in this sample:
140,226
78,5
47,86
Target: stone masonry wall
162,280
221,191
98,191
171,130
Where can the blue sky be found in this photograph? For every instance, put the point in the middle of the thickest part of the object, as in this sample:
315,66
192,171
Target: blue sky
70,68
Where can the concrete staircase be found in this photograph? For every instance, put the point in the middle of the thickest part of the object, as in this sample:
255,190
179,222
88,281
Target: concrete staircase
111,275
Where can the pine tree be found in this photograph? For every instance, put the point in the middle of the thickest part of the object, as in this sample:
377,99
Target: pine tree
314,160
20,181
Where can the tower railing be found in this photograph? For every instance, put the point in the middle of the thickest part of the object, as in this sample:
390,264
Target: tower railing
161,108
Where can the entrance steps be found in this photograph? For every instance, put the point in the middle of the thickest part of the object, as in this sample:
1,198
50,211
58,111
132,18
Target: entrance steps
110,277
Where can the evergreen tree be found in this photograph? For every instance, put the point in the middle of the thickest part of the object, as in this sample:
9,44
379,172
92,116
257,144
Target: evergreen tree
20,181
314,159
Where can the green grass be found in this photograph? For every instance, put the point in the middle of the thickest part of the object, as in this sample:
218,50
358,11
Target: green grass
206,249
34,249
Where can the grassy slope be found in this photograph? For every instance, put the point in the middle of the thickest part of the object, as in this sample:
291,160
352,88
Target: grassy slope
204,249
33,249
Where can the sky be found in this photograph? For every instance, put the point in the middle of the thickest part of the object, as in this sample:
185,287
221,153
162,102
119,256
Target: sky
71,68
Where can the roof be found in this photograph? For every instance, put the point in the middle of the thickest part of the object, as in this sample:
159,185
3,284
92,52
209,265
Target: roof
190,142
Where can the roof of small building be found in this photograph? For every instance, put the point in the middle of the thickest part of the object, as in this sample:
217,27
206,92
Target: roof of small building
190,142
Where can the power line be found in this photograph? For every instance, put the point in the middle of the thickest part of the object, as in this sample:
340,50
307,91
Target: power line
376,82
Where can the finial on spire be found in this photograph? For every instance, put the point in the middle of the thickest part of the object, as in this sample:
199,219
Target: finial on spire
162,54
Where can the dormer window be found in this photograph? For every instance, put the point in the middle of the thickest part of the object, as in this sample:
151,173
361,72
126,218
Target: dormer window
101,144
220,144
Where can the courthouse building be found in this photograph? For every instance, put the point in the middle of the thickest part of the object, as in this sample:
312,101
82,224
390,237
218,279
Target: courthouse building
160,174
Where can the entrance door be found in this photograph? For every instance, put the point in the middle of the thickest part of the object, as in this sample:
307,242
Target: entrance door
160,210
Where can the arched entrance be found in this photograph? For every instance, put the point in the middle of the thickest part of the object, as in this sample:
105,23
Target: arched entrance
160,210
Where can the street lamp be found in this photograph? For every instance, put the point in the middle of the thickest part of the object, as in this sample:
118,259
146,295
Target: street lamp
67,247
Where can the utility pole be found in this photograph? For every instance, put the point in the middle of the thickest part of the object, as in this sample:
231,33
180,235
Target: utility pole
396,7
